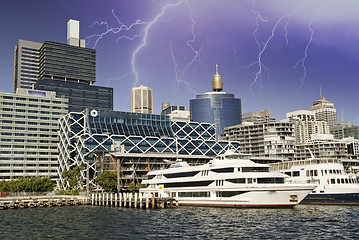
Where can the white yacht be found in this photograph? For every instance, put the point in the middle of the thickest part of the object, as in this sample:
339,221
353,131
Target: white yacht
335,186
229,180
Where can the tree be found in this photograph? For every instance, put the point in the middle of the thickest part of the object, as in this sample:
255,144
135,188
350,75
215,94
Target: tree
73,177
108,181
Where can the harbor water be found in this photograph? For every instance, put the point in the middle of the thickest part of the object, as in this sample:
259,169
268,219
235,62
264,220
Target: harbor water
94,222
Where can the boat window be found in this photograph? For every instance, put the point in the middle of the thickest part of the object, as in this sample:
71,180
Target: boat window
342,180
322,172
346,181
231,193
307,173
188,184
151,176
181,174
326,172
219,182
194,194
288,173
330,171
296,174
237,180
249,180
223,170
332,181
338,181
270,180
205,172
255,169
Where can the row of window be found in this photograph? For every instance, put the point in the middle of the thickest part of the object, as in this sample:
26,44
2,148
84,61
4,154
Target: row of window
344,181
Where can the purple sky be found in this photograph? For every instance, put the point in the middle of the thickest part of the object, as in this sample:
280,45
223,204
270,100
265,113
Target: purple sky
272,54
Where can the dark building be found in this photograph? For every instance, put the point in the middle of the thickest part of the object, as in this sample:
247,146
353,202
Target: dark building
63,62
217,107
80,96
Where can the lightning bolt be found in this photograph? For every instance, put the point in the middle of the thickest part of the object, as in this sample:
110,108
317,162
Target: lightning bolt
127,31
262,71
194,62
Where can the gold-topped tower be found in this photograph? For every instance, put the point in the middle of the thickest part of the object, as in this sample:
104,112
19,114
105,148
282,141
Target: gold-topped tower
217,84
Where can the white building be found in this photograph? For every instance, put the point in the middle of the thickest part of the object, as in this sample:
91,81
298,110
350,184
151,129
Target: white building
263,140
305,124
142,100
29,133
325,111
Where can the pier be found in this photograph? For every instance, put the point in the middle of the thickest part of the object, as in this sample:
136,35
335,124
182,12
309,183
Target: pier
131,200
121,200
41,201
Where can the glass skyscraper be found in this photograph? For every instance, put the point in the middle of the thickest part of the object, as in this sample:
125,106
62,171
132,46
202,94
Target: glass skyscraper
216,107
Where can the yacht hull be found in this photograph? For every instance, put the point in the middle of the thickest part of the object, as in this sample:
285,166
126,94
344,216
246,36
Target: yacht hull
335,199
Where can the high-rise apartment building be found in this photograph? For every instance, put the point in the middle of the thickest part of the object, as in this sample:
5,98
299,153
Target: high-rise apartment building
177,113
325,111
29,133
345,130
26,64
216,107
263,140
142,100
305,125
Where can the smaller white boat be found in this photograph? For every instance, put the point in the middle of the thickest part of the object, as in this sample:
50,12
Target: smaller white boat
230,180
335,186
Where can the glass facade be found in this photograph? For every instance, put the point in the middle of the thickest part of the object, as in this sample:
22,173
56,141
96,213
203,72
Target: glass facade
80,96
83,134
219,108
63,62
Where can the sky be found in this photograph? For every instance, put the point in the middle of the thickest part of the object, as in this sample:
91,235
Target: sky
273,55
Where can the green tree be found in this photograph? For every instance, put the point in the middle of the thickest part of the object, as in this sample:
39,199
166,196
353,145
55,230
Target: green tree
108,181
135,187
73,177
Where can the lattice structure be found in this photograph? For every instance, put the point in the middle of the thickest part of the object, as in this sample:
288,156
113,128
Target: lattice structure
78,144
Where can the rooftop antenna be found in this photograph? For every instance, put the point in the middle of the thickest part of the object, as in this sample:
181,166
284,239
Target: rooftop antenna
342,116
216,69
320,91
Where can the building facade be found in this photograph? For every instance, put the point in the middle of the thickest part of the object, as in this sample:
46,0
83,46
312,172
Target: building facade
258,117
29,133
64,62
142,100
325,111
80,96
345,130
263,140
177,113
26,64
305,125
83,134
216,107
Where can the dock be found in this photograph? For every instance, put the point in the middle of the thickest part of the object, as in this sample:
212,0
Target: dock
131,200
41,201
121,200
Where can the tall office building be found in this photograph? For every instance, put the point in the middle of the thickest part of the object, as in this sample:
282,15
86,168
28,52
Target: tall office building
142,100
325,111
216,107
26,64
68,69
29,133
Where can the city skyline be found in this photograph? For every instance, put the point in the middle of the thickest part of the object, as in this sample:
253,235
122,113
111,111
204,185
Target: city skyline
174,46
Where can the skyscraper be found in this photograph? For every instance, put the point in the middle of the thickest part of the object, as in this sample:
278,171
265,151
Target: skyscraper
325,111
26,64
142,100
68,69
216,107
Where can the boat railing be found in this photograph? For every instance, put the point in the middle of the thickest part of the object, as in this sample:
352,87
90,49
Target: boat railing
289,164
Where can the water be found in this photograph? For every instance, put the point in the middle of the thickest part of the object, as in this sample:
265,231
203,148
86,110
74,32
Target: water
92,222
